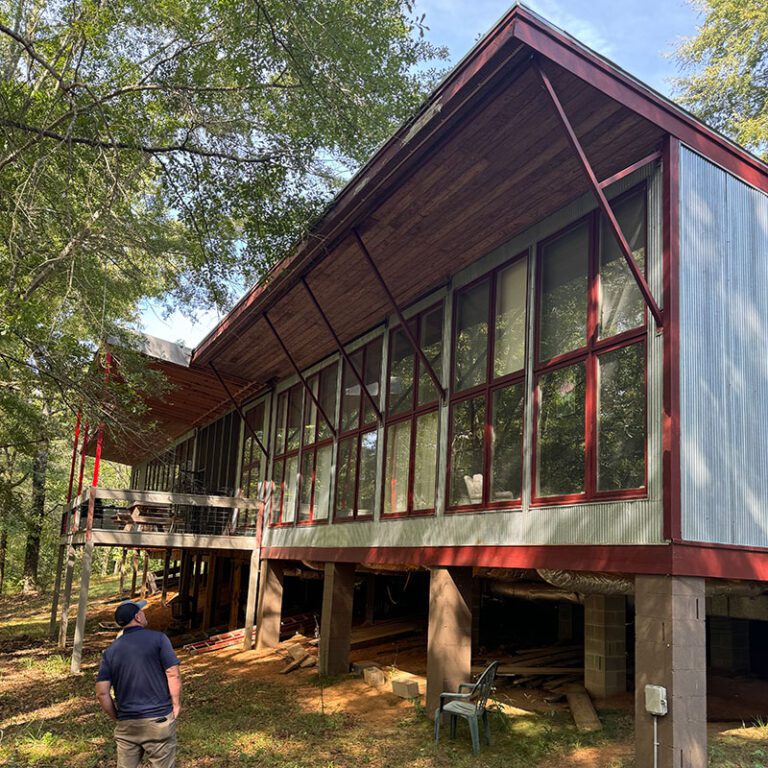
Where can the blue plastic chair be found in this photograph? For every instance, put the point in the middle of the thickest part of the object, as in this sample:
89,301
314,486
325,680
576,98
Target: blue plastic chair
470,703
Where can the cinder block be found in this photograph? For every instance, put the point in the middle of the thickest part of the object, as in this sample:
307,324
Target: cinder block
374,677
406,689
358,667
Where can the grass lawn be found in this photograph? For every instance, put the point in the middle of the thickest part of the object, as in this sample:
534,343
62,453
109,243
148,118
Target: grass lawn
239,711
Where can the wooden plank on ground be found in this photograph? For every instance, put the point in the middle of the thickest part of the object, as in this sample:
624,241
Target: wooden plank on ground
583,711
512,670
364,636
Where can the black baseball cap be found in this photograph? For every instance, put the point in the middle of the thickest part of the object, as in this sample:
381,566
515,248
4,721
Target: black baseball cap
125,612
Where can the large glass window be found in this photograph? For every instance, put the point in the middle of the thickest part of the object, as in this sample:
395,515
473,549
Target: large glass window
358,436
486,422
317,447
253,462
410,466
590,361
285,466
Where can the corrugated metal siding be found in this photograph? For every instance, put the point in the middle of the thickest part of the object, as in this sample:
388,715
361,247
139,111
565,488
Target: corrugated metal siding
723,356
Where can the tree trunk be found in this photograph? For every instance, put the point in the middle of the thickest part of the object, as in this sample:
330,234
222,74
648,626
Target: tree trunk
35,520
3,550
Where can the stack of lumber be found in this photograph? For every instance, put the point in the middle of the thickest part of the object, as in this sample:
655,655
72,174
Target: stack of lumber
552,668
217,642
383,631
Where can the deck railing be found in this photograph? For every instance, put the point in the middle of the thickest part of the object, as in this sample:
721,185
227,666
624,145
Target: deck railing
157,511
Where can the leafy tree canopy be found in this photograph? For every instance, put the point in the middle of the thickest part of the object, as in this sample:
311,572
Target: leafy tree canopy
727,61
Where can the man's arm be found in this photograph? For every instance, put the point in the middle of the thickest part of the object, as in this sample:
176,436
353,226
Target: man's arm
105,698
174,686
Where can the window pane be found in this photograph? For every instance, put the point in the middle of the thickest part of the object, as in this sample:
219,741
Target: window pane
289,489
328,386
396,478
425,465
509,326
621,419
563,319
621,303
310,410
350,394
471,353
277,489
372,377
305,499
507,443
282,409
367,491
322,502
431,339
560,433
293,430
401,374
467,438
345,484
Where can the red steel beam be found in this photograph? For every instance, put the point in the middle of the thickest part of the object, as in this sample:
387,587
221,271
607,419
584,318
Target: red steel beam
630,168
239,410
299,374
403,322
100,438
342,351
602,200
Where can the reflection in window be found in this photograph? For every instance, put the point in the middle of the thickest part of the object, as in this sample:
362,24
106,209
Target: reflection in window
425,461
560,432
467,441
621,304
345,477
509,322
401,374
431,340
366,493
563,309
471,344
507,443
290,479
621,419
397,467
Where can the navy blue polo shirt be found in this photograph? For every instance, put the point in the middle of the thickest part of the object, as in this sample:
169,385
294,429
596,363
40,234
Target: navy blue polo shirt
135,664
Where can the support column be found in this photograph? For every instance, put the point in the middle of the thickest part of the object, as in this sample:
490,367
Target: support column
670,650
449,638
605,645
250,600
729,644
197,577
210,586
336,618
56,591
370,597
270,604
66,597
166,569
145,574
82,607
565,621
134,572
234,607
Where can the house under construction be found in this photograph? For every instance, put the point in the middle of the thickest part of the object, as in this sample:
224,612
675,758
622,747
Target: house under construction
525,345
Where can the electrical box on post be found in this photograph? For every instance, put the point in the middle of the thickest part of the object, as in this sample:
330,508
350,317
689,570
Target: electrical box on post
656,699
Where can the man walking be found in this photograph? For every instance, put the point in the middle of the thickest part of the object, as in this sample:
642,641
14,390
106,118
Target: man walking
143,670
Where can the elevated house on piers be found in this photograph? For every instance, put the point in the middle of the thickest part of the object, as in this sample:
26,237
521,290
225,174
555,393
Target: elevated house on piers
526,340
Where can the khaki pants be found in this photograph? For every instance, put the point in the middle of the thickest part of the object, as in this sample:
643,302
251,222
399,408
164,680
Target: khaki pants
146,739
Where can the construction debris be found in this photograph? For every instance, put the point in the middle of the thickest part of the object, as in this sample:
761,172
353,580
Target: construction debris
217,642
582,709
375,677
550,668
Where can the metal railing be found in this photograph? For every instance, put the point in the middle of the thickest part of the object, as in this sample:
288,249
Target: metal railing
160,512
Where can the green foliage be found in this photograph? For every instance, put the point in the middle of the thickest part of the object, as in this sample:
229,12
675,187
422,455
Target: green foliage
727,61
171,150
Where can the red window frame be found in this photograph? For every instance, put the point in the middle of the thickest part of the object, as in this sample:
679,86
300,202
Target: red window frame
362,427
588,354
315,445
282,454
411,415
486,390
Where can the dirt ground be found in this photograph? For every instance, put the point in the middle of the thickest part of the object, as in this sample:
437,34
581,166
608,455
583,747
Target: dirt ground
240,711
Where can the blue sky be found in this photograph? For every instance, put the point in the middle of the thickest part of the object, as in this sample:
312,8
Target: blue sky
638,35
